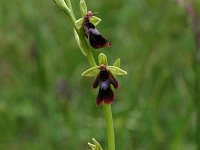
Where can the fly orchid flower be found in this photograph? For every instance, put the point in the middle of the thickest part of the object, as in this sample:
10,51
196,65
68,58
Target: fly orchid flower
88,23
95,38
104,79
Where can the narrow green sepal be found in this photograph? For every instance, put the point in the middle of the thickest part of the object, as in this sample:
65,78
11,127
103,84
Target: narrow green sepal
83,8
95,146
117,63
79,23
95,20
79,42
91,72
102,59
116,70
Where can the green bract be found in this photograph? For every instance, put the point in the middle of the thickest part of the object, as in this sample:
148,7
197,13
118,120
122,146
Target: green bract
79,42
83,8
95,146
102,59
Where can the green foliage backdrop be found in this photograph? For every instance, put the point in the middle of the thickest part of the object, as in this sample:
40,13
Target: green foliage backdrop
46,104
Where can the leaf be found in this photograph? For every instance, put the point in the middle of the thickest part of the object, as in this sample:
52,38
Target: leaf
116,70
117,63
95,20
102,59
83,8
78,42
91,72
79,23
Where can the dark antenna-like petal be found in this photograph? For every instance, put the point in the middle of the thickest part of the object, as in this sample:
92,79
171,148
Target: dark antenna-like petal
113,81
96,81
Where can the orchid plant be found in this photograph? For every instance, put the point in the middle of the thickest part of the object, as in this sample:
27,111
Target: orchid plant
85,29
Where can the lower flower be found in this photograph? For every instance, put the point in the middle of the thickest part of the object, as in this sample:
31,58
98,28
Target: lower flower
104,79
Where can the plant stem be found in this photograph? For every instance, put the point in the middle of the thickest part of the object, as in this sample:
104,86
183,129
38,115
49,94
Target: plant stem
109,125
91,60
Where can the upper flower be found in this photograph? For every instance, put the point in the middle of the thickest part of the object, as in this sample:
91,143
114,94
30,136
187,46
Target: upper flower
95,38
89,22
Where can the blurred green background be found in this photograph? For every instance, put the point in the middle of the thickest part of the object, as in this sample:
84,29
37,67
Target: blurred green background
46,104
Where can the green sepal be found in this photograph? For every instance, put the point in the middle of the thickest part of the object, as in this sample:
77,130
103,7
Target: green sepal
78,42
117,63
116,70
83,8
95,146
91,72
79,23
95,20
102,59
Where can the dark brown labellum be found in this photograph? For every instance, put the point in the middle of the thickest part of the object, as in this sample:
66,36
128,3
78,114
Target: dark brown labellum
104,79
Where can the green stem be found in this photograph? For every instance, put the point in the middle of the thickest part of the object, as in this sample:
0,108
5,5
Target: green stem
109,125
90,59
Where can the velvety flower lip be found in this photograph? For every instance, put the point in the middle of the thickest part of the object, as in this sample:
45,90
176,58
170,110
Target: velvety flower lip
105,79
